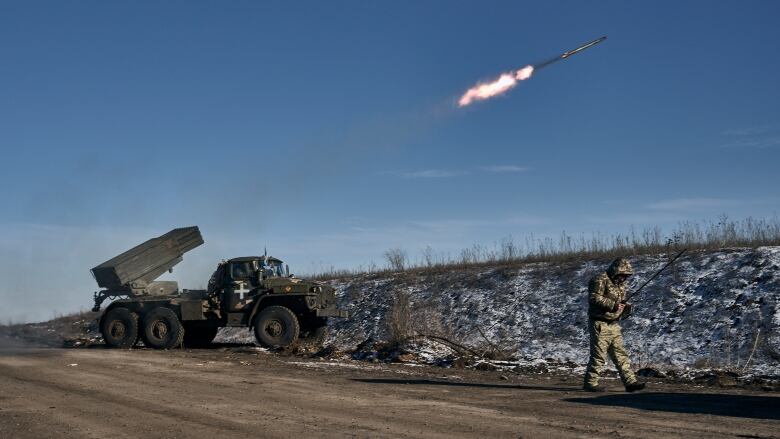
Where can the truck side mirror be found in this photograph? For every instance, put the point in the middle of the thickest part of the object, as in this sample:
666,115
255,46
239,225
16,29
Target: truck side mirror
287,270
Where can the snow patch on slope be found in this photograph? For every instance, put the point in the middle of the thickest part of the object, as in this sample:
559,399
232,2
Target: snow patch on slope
705,311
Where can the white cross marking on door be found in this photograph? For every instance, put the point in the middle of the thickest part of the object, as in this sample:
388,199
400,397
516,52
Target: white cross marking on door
240,291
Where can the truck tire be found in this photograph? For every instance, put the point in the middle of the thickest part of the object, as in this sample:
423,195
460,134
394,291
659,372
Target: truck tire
162,329
276,327
199,336
120,328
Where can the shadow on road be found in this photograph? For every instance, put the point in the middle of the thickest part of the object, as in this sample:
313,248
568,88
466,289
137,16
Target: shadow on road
13,346
208,347
459,384
742,406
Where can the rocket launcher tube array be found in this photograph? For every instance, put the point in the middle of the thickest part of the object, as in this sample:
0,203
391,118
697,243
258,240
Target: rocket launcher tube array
144,263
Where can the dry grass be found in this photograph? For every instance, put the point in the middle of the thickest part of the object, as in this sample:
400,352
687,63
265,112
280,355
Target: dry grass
406,319
718,234
399,317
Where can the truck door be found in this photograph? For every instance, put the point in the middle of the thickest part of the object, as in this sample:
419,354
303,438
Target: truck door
242,279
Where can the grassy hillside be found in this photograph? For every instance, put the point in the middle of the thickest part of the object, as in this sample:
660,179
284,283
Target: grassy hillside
713,308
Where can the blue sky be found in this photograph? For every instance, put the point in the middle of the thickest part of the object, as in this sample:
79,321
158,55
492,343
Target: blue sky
328,131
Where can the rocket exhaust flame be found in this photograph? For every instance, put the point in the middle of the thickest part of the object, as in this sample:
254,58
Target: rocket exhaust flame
507,81
489,89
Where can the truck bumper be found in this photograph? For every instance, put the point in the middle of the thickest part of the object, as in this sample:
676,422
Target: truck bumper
332,312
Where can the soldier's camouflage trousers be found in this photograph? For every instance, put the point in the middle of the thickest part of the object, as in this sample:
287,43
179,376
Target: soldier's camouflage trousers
607,339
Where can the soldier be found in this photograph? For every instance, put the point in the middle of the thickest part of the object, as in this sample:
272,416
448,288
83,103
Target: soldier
606,303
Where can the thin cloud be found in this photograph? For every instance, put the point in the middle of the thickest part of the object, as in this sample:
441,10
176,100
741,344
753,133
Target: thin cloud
676,209
756,137
688,204
449,173
455,224
704,204
747,131
640,218
435,173
760,143
500,169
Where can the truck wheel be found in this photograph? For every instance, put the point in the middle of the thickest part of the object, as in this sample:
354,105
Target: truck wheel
199,336
162,329
120,328
276,326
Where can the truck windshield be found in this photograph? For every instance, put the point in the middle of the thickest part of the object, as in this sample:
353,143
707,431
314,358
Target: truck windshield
242,270
276,268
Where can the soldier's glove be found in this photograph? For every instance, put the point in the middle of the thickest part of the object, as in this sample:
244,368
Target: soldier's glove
626,311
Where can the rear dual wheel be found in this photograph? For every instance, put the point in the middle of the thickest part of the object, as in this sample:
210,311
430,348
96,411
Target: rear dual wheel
120,328
162,329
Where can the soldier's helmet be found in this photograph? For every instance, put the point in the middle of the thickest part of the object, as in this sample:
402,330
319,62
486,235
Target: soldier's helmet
620,266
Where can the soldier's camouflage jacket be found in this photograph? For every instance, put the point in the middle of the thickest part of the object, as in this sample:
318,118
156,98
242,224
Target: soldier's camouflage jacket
604,296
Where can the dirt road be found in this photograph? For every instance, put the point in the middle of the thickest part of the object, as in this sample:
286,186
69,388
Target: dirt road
244,392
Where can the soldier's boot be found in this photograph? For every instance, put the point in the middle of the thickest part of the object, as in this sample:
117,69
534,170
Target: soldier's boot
635,386
591,388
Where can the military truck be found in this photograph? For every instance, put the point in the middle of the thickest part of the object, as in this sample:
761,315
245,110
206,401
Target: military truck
253,291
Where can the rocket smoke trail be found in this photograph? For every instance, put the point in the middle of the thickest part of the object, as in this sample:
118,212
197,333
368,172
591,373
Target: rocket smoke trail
508,80
488,90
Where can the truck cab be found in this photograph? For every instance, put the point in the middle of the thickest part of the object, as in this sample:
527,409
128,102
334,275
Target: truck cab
241,280
250,288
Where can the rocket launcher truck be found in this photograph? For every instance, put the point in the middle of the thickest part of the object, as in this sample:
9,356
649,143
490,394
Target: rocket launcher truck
250,291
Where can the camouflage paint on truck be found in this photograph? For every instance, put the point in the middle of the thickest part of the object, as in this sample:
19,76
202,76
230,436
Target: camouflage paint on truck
254,291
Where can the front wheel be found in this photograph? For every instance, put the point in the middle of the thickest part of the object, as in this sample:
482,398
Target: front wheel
276,326
162,329
120,328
